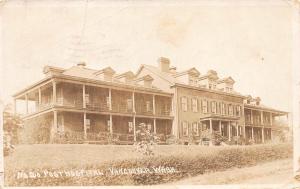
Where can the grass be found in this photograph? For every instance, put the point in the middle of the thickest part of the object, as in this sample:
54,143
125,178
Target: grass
186,160
67,155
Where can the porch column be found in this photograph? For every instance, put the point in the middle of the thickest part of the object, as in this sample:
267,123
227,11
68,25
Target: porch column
271,119
54,92
229,130
210,126
261,117
262,135
154,125
26,100
40,97
110,124
251,116
109,98
220,127
54,121
134,132
153,101
62,123
84,124
83,97
133,102
252,133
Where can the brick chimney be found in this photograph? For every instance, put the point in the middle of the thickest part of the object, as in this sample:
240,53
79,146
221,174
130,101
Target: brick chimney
164,64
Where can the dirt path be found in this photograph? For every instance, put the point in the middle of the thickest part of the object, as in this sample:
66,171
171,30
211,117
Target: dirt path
275,172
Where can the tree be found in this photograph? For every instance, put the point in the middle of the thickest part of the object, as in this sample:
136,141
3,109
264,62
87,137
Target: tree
145,140
11,123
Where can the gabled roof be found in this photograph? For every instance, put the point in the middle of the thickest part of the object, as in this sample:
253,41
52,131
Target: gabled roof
163,75
52,68
266,108
128,74
79,71
107,70
226,80
191,71
211,74
145,78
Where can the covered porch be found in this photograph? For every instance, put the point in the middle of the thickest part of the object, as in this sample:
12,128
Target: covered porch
227,128
83,127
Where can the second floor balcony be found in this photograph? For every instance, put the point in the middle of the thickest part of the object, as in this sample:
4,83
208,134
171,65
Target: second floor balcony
75,96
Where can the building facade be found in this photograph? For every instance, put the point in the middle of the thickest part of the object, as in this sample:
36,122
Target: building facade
89,105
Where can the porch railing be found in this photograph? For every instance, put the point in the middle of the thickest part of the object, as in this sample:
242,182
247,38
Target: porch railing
121,108
97,106
106,136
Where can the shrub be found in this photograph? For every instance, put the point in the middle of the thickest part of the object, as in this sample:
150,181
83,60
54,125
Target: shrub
145,140
171,139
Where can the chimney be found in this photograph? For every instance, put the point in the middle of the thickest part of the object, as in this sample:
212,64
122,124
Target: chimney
258,101
164,64
173,70
81,64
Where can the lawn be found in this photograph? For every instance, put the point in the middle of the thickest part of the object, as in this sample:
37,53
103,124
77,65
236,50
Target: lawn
183,161
67,155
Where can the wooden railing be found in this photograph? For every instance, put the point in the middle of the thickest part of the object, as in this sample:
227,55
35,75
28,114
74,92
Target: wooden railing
121,108
161,112
42,107
98,106
106,136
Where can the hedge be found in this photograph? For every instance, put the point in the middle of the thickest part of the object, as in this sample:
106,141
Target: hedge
186,165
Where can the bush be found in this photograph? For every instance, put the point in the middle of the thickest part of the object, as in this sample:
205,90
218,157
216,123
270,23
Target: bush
145,140
171,139
186,165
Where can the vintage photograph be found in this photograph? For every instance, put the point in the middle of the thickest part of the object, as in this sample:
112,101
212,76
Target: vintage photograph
135,93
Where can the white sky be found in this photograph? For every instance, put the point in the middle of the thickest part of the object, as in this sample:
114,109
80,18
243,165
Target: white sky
230,38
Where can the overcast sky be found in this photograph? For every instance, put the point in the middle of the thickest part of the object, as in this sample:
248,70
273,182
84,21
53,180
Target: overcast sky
250,42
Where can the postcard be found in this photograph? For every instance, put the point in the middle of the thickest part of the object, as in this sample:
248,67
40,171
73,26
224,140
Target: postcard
160,93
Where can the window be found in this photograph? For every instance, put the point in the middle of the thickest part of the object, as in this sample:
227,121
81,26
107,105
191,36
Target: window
130,127
194,105
185,128
108,101
248,118
129,104
184,105
87,99
204,106
210,86
238,110
219,107
193,81
149,127
195,129
230,109
213,107
223,109
88,124
148,106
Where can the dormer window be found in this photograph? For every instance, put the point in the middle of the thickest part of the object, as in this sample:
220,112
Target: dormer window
146,81
105,74
193,81
226,84
189,77
126,77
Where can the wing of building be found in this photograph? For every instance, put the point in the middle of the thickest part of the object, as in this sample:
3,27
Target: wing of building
87,105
